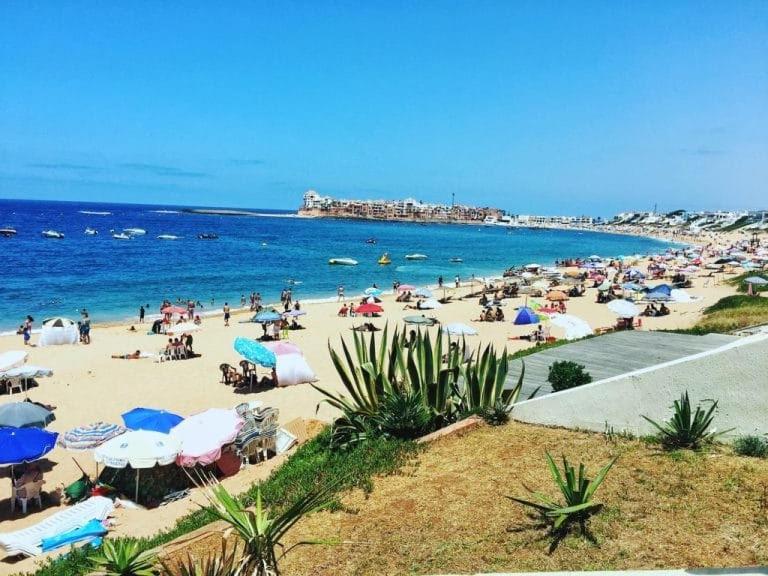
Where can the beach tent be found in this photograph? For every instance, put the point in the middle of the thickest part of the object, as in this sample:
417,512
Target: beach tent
526,316
57,331
202,435
293,369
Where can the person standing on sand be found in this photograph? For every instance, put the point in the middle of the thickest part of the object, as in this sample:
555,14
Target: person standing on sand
340,293
142,312
458,281
26,329
440,281
226,314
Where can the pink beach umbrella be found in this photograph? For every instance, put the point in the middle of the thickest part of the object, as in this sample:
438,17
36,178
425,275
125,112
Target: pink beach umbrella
406,288
174,310
281,347
202,435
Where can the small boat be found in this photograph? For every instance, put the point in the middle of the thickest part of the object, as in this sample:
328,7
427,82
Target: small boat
342,262
371,241
167,237
95,212
91,232
457,260
207,236
52,234
7,232
415,256
121,236
385,259
135,231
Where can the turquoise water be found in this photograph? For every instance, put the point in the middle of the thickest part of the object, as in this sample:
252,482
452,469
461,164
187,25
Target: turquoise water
112,278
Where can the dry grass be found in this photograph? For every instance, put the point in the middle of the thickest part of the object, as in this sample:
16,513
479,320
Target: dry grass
448,514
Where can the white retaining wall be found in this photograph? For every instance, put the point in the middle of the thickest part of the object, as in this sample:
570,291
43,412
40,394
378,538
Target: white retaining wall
735,374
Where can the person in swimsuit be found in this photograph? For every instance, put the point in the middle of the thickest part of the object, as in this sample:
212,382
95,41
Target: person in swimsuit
27,329
226,314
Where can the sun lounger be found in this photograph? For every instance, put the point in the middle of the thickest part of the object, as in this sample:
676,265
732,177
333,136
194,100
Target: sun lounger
28,540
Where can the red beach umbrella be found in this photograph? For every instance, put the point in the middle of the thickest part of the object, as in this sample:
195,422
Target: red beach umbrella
369,309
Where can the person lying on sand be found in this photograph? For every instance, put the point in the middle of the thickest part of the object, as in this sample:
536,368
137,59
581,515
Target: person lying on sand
132,356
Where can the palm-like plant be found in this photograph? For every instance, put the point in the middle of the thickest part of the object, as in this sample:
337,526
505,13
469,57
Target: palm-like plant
577,492
124,558
261,532
227,563
686,428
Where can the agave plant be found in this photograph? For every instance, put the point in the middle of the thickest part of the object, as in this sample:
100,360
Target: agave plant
687,429
124,558
228,563
577,492
403,415
261,532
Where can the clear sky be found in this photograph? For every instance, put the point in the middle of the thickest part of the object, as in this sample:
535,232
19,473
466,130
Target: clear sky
535,107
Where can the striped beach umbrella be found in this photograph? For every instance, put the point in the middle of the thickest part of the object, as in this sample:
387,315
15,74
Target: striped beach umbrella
89,436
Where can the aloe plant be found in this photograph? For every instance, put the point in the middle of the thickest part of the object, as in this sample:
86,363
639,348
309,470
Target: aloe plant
124,558
577,492
686,428
261,532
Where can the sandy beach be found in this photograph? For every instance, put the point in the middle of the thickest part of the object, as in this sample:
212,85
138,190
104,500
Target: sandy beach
88,385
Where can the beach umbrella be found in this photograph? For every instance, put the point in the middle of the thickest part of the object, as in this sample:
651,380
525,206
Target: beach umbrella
25,415
623,308
654,295
266,317
557,296
202,435
138,449
527,275
459,329
294,313
12,359
419,320
430,304
151,419
575,327
406,288
372,291
423,292
756,280
20,445
27,371
633,287
173,310
526,315
255,352
183,328
532,266
281,347
89,436
604,287
369,309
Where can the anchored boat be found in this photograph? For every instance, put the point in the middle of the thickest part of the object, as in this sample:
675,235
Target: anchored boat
167,237
7,232
91,232
342,262
456,260
135,231
207,237
52,234
415,256
121,236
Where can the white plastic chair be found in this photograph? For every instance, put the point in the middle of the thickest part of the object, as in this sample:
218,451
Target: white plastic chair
25,493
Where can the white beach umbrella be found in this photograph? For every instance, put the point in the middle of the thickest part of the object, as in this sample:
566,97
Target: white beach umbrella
12,359
574,326
623,308
27,371
459,329
138,449
184,328
430,304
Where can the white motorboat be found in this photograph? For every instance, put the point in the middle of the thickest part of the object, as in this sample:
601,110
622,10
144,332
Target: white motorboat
167,237
342,262
134,231
456,260
91,232
52,234
95,212
416,256
121,236
7,232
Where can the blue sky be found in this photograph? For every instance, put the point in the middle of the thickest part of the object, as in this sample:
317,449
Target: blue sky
536,107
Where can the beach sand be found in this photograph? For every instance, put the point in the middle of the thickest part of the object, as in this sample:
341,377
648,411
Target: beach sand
89,386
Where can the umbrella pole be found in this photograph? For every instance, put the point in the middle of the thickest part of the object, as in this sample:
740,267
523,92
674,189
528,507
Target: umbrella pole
136,497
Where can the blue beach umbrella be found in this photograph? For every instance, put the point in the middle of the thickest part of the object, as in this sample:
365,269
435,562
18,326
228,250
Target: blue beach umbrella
265,317
19,445
255,352
526,316
25,415
151,419
373,291
665,289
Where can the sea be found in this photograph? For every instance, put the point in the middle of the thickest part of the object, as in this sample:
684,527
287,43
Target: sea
266,253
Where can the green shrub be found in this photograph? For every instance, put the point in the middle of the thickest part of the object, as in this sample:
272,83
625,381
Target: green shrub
564,374
124,557
687,429
753,446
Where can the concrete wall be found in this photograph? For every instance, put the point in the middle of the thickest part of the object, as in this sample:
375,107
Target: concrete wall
735,374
